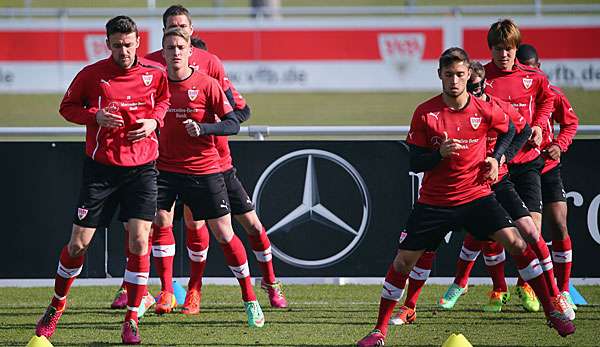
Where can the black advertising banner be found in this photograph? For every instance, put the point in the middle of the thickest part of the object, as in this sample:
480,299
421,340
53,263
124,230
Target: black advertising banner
331,209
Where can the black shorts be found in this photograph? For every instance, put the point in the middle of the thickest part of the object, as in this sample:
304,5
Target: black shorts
527,180
205,195
106,187
552,186
239,199
510,200
427,225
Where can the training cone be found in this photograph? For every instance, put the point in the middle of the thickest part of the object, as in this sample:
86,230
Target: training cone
457,340
179,293
578,299
39,341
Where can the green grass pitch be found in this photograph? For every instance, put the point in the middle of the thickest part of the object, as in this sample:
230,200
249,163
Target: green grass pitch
319,315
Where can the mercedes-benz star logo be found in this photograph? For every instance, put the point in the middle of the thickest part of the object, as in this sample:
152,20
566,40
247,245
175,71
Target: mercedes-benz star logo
311,209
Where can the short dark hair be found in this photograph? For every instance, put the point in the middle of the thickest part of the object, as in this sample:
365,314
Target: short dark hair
121,24
454,55
527,52
504,32
478,69
176,10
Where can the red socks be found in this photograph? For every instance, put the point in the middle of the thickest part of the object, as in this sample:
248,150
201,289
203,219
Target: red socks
197,241
261,246
163,250
494,256
136,280
562,255
417,277
235,256
68,269
393,288
466,260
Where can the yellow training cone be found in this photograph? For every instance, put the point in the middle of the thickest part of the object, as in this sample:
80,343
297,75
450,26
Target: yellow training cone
39,341
457,340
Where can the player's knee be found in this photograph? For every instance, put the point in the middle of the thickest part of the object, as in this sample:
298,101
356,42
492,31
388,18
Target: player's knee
138,247
516,246
528,230
559,230
76,249
402,265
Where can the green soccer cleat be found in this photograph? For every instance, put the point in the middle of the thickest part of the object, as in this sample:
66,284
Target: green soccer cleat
567,296
256,319
529,300
497,300
451,296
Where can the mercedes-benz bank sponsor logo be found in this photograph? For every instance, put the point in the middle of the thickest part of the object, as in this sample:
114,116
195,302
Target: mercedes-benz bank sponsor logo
310,211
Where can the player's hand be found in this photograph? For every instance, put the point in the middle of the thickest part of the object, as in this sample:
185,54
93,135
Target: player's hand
554,151
536,136
450,147
192,128
147,127
491,173
109,120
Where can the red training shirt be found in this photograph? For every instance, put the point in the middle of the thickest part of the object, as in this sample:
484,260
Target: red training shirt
564,115
135,93
455,180
527,89
210,64
200,98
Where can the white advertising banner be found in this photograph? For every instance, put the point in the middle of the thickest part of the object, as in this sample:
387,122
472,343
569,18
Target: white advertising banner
354,54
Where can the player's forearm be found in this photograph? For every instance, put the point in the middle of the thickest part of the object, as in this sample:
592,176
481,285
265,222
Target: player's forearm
229,125
566,135
543,109
517,143
242,114
159,112
77,114
423,159
503,141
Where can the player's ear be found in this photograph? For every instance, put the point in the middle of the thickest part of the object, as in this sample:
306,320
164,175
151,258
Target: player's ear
137,42
108,44
440,73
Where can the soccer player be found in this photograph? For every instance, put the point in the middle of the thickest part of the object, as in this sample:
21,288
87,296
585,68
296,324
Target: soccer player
189,161
447,141
527,89
121,100
494,254
553,193
241,205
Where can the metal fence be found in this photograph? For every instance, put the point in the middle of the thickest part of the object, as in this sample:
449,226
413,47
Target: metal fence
260,132
537,8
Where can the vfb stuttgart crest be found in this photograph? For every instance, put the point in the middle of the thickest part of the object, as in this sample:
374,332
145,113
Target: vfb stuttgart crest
81,213
192,94
475,122
147,79
527,82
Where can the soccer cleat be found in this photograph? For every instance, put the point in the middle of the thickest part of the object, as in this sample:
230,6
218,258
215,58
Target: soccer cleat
130,333
451,296
166,302
561,323
561,304
497,300
46,325
405,315
256,319
567,296
373,339
120,300
529,300
147,302
192,302
275,293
